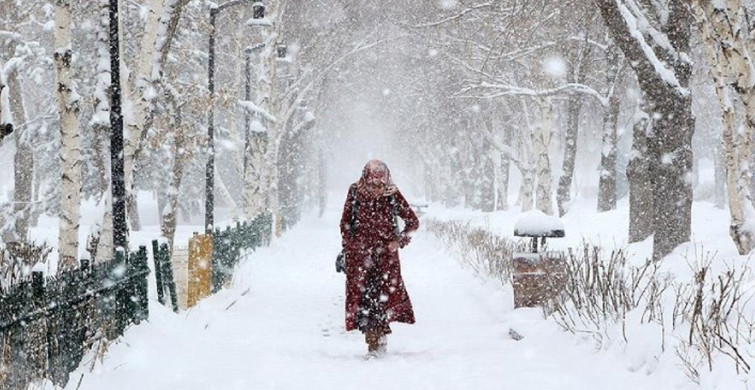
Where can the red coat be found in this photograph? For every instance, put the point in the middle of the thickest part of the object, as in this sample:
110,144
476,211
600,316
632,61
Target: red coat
374,230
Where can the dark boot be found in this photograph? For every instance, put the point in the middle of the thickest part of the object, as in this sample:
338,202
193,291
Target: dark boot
372,339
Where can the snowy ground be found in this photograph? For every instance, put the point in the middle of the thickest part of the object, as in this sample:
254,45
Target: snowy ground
281,327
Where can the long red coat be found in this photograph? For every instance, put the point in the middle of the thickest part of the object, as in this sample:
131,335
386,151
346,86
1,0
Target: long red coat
369,243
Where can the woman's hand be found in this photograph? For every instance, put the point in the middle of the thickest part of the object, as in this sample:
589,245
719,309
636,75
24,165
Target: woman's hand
393,246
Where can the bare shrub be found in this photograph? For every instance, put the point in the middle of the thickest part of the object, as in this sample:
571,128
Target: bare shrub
486,253
708,315
713,308
17,258
601,289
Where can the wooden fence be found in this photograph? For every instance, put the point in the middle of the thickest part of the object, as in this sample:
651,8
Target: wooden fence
46,325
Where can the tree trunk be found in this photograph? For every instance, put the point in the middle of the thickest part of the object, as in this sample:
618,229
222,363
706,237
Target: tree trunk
504,168
671,148
23,163
726,50
503,182
607,181
665,88
527,189
170,213
541,142
136,126
640,183
719,177
563,194
101,137
579,66
487,188
105,248
69,135
162,25
2,91
255,190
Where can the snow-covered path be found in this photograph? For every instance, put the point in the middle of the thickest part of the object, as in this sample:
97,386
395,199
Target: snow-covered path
281,327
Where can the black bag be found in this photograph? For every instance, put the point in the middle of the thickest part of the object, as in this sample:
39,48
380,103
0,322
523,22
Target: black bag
341,262
341,258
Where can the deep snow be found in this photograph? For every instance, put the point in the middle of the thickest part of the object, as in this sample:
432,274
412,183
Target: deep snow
281,327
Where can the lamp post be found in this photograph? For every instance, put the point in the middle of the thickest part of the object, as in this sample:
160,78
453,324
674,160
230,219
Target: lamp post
258,12
120,229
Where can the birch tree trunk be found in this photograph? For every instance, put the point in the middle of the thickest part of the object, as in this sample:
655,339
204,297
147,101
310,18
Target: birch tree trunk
607,181
525,161
254,177
542,139
723,26
719,174
23,162
269,103
142,83
69,134
161,28
170,213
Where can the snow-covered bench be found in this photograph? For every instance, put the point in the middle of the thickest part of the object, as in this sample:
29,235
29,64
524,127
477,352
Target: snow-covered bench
537,224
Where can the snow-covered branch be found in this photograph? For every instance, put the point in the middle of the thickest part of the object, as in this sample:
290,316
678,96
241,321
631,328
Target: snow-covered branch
255,109
636,27
454,17
512,90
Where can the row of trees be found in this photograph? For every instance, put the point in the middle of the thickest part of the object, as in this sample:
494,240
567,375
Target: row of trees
55,80
474,90
539,85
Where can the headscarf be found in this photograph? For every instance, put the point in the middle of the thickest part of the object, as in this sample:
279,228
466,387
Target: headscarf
376,170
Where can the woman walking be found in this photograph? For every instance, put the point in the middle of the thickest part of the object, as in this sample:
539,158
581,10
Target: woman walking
375,292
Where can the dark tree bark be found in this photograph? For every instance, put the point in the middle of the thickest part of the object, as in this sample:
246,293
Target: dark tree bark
23,160
669,101
640,185
578,68
607,182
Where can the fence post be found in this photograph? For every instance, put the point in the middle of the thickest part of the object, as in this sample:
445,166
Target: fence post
157,259
168,273
217,272
122,295
37,285
84,265
139,279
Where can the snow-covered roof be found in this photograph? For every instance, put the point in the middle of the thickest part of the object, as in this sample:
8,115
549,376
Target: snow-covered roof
535,223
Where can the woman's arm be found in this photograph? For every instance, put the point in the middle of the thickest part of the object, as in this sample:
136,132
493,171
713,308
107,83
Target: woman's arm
411,222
